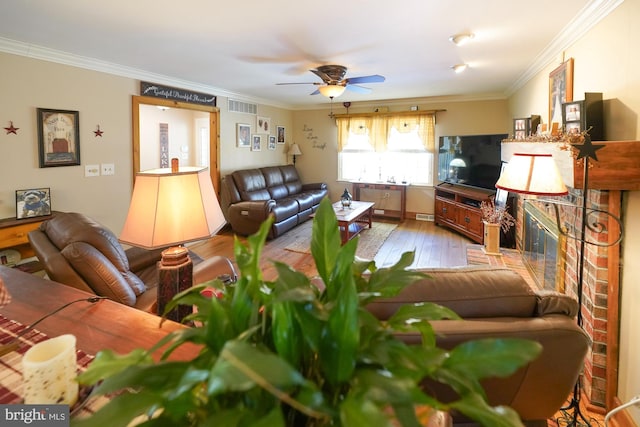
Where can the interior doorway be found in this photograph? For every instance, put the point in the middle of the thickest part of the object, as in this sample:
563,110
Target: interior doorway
189,132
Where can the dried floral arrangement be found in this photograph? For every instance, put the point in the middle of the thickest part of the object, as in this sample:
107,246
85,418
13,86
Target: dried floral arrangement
496,215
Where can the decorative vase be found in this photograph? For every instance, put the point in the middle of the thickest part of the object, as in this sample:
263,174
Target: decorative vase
491,238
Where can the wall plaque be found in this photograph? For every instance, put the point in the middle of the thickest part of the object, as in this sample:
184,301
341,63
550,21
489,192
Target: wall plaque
166,92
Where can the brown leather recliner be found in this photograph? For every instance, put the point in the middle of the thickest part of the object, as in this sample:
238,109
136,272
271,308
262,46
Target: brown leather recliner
498,303
79,252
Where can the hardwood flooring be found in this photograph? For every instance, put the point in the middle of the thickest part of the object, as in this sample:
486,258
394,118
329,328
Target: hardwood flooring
434,246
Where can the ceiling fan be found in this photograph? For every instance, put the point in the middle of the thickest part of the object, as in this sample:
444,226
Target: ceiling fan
334,84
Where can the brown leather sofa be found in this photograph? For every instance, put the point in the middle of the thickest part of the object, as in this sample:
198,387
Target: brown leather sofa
79,252
249,196
498,303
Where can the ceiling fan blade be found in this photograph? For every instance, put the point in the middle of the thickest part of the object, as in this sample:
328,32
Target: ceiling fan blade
315,92
299,83
358,89
376,78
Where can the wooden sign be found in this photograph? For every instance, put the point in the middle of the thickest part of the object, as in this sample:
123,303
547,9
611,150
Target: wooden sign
166,92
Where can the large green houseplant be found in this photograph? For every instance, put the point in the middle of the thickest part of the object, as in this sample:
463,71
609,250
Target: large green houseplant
294,352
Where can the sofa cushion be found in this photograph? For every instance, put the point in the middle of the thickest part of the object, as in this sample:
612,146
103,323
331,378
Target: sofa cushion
251,185
69,227
291,179
101,275
305,201
285,208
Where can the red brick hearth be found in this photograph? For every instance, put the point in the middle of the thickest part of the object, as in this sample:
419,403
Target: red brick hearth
596,287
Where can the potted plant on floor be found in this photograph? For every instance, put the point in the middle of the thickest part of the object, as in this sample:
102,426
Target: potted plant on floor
494,218
297,353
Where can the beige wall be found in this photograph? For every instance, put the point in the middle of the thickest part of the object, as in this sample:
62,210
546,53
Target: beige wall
104,100
606,61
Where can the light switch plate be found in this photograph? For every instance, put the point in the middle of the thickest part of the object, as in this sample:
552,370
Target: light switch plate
108,169
91,170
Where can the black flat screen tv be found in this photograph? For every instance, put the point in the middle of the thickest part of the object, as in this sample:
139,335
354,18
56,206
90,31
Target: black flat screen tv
472,160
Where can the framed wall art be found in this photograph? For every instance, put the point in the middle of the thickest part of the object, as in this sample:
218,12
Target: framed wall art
263,124
256,143
281,134
272,142
560,90
58,137
33,202
520,128
244,135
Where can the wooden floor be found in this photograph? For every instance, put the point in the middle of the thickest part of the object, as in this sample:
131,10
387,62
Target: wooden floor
434,246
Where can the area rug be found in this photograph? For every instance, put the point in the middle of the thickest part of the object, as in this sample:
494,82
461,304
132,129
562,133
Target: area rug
371,239
510,258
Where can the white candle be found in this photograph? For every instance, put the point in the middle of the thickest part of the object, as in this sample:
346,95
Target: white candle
49,370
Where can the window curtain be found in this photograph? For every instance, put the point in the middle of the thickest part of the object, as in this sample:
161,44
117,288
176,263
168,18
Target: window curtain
407,123
379,128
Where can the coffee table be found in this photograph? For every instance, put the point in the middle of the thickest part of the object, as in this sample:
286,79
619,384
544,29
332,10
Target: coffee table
354,219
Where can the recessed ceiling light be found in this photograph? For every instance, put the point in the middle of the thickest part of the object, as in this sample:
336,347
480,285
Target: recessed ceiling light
458,68
460,39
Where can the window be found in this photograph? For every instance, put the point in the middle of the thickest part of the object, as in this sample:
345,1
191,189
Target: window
386,148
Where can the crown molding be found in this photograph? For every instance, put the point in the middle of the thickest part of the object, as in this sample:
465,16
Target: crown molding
589,16
51,55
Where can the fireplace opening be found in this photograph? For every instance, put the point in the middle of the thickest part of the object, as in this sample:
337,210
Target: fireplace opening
543,248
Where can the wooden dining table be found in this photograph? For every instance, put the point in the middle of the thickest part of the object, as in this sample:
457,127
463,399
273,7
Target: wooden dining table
97,326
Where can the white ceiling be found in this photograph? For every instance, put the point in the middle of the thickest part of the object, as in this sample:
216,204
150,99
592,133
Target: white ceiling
242,49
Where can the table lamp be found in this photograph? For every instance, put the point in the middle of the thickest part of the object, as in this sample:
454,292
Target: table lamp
294,151
170,207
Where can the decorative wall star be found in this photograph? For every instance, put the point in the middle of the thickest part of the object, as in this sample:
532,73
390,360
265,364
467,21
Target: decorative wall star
587,149
11,129
98,132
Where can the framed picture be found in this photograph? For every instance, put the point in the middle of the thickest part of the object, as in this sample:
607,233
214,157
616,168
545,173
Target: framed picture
263,124
256,143
571,111
272,142
572,127
281,134
244,135
560,90
33,202
58,137
520,128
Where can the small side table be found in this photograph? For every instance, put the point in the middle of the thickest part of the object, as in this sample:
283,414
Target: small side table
14,233
384,186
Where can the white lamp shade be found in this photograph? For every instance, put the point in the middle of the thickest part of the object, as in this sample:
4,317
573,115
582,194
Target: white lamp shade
332,91
535,174
172,208
294,150
458,163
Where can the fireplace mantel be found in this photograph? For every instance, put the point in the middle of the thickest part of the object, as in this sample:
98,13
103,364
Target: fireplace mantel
617,168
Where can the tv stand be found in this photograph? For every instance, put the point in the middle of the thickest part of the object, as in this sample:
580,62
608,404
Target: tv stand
458,207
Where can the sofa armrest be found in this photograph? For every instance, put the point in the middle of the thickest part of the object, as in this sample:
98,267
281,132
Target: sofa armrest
213,268
552,302
257,210
315,186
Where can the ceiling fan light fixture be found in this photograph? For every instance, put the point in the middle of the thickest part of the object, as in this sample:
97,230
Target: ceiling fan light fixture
461,39
458,68
332,91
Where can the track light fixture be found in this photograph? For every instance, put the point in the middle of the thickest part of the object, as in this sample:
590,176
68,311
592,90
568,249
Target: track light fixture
460,39
458,68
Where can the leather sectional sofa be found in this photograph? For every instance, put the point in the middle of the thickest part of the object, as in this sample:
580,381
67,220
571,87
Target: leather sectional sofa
249,196
498,303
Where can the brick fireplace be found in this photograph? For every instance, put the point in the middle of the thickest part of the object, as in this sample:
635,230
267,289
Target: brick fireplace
560,263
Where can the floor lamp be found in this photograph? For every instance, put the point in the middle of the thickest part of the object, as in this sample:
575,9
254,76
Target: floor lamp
170,207
538,175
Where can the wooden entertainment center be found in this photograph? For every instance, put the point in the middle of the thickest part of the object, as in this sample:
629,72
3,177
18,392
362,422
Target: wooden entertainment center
458,207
